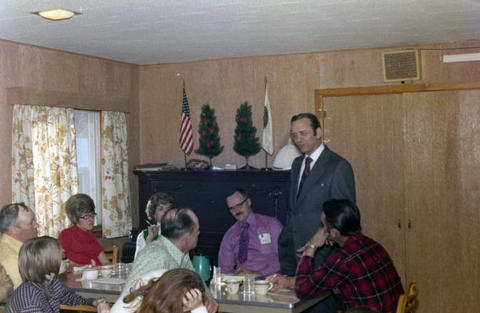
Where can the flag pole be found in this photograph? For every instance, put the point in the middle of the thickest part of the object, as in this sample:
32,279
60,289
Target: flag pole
185,158
266,154
184,154
186,136
266,161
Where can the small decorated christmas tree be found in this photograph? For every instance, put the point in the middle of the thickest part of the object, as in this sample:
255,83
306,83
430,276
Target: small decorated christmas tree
208,131
246,143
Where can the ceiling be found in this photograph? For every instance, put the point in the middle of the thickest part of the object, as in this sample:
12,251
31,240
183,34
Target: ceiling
169,31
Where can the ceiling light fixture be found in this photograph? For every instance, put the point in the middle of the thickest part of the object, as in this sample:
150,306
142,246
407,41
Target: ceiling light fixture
466,57
56,14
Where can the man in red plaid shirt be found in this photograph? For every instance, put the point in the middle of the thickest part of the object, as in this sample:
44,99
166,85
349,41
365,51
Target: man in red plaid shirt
360,274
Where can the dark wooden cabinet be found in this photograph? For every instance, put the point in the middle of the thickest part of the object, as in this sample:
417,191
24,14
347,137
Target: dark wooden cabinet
205,193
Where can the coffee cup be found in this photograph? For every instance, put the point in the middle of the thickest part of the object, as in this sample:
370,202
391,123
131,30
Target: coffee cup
106,271
90,274
262,287
232,286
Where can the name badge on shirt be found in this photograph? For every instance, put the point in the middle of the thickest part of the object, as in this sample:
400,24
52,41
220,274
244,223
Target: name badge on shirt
265,238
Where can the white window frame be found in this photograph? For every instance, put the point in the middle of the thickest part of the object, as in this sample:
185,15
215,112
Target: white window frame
94,158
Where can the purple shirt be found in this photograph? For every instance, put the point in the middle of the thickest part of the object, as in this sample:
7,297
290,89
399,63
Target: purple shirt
262,247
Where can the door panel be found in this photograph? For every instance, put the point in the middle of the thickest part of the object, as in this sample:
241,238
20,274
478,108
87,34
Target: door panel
442,199
367,131
416,158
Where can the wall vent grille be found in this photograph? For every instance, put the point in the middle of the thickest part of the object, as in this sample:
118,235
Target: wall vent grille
401,65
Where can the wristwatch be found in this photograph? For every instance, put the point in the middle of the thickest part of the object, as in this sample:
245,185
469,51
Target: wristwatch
310,245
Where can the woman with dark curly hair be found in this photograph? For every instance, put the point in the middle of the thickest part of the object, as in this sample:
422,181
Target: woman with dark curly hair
79,242
157,205
176,291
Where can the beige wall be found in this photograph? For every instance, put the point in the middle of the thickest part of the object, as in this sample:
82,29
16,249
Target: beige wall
55,72
226,83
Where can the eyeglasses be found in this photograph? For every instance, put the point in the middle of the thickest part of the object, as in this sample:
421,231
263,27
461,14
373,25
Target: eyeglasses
87,216
238,205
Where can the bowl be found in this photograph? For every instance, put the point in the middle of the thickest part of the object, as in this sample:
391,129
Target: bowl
90,274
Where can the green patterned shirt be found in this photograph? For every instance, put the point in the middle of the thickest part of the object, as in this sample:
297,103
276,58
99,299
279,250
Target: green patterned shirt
159,254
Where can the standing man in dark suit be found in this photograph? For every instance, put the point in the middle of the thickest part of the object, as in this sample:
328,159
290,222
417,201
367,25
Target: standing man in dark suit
317,176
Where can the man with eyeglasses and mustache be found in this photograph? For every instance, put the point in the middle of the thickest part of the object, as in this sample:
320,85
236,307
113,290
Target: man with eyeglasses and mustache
250,245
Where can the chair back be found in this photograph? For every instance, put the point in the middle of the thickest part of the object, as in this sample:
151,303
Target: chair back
407,303
83,308
112,254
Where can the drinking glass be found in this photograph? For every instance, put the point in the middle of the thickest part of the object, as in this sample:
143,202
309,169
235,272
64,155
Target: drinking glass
217,275
249,284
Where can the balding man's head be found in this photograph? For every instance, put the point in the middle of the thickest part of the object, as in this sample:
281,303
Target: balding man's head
177,222
181,227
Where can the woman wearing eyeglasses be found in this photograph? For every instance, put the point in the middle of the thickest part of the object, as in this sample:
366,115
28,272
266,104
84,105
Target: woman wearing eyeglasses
79,242
157,205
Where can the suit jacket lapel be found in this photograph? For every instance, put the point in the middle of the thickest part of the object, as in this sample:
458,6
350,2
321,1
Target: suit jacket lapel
317,171
296,167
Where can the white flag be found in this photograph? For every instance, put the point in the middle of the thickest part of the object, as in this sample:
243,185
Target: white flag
267,140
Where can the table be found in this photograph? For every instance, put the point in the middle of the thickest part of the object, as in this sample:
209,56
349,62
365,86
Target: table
94,288
283,301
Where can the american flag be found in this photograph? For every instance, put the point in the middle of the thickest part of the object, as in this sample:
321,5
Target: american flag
186,134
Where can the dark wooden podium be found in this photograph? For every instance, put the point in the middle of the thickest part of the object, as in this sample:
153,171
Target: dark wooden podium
205,193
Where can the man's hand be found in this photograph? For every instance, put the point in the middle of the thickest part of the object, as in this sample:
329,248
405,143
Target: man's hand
152,232
281,281
320,237
300,251
211,304
241,270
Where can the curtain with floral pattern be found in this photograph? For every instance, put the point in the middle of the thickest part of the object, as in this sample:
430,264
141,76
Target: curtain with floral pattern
116,216
44,163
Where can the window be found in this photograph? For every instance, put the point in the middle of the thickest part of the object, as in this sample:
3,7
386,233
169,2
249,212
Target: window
87,130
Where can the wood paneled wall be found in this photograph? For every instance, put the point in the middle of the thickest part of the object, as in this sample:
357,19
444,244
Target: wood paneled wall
154,91
292,79
45,75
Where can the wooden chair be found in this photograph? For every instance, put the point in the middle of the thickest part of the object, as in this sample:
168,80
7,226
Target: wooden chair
407,303
82,308
112,254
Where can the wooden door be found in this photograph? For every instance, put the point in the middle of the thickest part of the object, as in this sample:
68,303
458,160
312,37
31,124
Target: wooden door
368,132
416,158
442,178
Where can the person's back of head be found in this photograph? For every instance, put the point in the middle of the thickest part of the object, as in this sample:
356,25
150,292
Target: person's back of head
177,222
343,215
165,294
39,257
